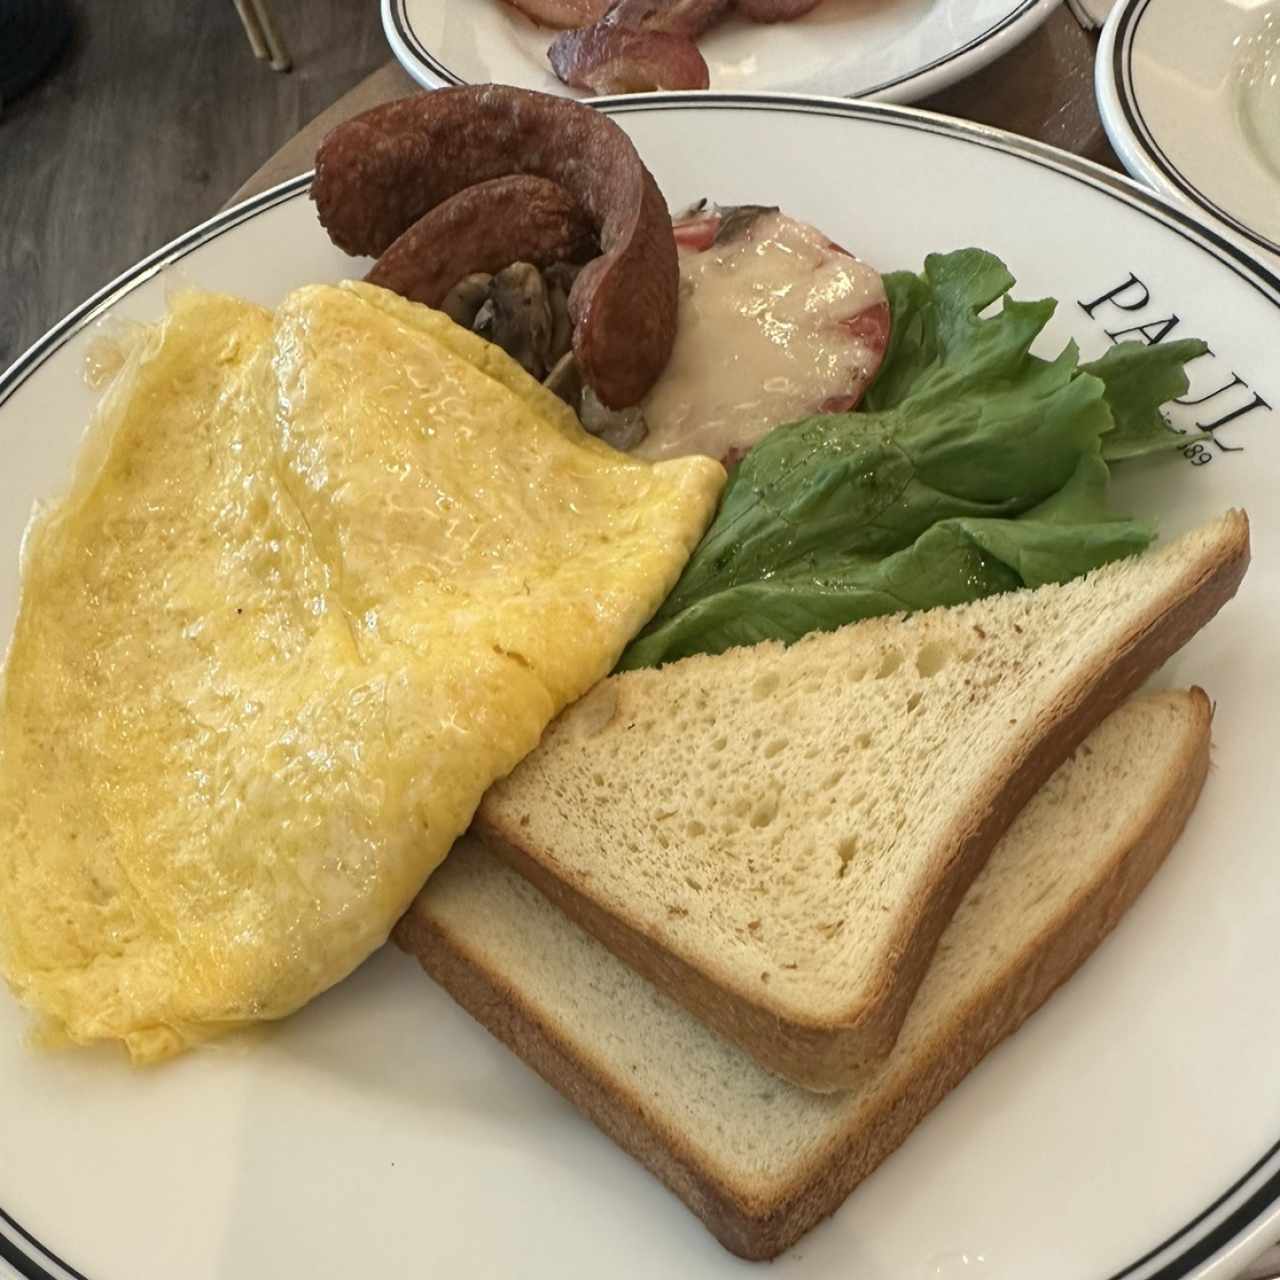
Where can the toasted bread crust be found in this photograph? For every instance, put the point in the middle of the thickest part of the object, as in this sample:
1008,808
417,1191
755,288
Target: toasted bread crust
838,1053
1111,680
759,1222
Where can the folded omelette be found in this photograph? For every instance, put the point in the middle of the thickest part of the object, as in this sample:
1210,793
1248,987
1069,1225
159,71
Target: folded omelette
322,576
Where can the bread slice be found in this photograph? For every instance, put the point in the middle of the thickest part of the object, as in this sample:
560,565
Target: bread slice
777,837
758,1160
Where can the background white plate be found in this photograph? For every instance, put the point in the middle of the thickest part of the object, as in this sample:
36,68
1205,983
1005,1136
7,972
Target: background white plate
889,50
1189,93
1129,1130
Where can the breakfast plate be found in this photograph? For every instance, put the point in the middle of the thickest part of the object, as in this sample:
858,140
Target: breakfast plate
1130,1129
893,52
1189,92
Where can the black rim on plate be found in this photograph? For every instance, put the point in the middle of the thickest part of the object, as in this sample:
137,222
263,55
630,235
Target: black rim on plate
1122,73
1250,1197
398,11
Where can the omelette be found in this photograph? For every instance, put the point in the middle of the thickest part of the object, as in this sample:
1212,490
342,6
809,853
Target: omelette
322,575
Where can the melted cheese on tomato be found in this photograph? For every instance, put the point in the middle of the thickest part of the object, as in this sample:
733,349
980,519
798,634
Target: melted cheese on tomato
767,334
322,576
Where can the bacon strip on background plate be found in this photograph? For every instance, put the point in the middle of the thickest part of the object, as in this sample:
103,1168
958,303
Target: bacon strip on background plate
608,59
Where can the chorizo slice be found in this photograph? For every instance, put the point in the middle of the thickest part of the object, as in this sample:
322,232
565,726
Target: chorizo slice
611,59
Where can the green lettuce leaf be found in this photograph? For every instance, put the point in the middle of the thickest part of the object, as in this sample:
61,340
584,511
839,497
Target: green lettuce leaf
972,467
953,562
1139,379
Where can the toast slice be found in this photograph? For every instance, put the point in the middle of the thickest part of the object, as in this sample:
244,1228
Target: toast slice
758,1160
778,837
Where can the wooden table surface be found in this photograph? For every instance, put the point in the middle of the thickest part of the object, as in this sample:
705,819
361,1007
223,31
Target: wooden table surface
1041,89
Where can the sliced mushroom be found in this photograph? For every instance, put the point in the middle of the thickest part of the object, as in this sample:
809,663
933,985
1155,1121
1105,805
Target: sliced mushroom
558,279
463,302
565,380
517,316
737,219
622,428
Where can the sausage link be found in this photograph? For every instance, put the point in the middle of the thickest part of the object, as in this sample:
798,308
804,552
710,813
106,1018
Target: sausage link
483,229
378,174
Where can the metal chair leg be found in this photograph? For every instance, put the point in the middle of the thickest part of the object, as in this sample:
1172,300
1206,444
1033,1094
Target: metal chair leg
264,35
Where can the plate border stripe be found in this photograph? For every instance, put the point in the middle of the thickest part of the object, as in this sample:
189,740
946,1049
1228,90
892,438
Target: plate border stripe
1219,1237
1127,96
22,1262
1243,1215
49,342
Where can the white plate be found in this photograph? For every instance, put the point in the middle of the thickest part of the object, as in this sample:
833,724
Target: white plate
889,50
1189,92
1130,1129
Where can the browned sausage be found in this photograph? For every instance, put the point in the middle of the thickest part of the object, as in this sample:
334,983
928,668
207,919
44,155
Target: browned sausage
485,228
674,17
610,59
378,174
775,10
561,13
